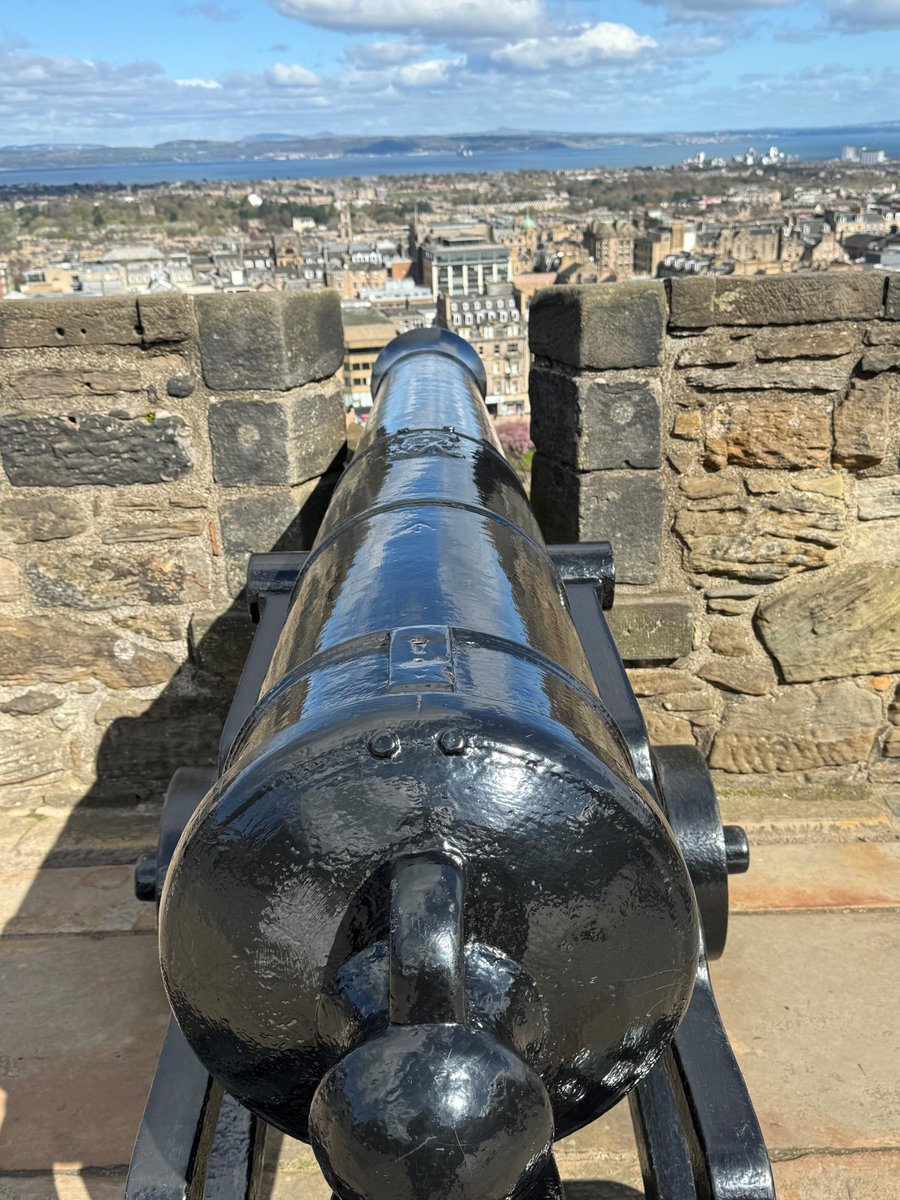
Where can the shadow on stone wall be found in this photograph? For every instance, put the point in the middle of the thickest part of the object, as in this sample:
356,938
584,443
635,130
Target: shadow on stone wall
111,824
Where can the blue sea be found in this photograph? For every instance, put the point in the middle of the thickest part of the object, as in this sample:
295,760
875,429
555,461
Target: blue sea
809,146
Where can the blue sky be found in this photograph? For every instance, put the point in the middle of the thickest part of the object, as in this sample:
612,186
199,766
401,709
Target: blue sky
134,74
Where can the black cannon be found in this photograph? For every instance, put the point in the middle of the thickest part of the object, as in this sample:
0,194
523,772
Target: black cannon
441,905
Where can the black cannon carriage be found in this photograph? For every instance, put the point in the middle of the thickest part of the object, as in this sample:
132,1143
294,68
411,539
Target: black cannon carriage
441,904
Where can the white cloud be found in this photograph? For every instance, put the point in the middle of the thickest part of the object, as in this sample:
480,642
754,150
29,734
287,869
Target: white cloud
715,10
581,48
472,18
292,75
386,52
863,16
210,84
431,73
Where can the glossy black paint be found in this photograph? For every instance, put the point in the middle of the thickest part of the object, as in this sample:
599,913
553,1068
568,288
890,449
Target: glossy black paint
428,714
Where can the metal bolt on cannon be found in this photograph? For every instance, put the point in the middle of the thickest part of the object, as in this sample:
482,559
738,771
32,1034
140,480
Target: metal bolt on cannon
442,904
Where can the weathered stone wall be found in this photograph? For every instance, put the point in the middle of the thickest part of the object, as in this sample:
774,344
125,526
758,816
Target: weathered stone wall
737,440
148,446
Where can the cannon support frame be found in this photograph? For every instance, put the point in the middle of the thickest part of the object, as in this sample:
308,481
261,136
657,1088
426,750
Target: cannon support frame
697,1134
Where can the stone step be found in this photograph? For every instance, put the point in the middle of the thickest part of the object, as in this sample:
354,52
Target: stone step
833,875
71,900
813,813
87,836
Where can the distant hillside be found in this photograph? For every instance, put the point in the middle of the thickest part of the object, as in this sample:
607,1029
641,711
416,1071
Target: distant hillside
266,146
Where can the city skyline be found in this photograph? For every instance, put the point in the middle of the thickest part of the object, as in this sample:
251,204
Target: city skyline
98,72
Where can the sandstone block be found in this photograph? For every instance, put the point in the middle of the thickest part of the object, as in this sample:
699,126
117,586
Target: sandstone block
158,527
10,581
661,681
862,423
717,349
688,425
874,542
273,342
739,675
65,650
849,627
666,729
256,524
249,442
53,517
32,757
879,498
112,321
892,298
220,641
318,432
594,424
277,442
179,387
90,581
63,384
103,449
804,341
775,430
710,487
883,358
599,326
793,376
149,740
797,729
728,607
681,458
774,300
765,539
883,333
652,628
731,638
167,318
158,624
831,484
31,704
623,507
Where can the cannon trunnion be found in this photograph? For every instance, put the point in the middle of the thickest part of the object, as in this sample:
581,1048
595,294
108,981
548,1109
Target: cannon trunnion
432,915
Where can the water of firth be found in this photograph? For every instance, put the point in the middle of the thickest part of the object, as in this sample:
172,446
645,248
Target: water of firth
811,146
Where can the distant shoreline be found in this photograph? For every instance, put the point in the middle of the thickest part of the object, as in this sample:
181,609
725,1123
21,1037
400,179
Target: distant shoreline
812,146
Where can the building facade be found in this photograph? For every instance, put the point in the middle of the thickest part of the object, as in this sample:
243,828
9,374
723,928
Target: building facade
462,263
493,324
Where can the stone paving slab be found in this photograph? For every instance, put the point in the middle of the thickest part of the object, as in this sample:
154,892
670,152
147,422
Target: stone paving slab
808,997
866,1176
81,1023
65,1185
72,900
835,875
810,1003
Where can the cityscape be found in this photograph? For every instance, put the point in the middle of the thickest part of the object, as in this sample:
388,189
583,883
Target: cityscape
466,251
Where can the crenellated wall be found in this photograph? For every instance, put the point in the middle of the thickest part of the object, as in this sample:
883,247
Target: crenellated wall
737,440
147,447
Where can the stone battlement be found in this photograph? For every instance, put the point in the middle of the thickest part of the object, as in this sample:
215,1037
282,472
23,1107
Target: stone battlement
148,446
736,439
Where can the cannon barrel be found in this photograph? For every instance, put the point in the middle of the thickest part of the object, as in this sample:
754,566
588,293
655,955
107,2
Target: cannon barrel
428,919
